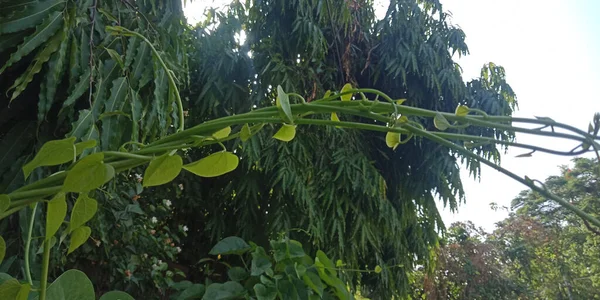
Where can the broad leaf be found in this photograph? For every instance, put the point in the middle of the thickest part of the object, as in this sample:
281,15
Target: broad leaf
71,285
24,291
88,174
245,133
2,249
286,133
264,293
4,203
214,165
162,169
78,237
462,110
283,103
440,122
193,292
378,269
223,133
347,97
52,153
313,281
227,290
116,295
84,210
10,289
230,245
56,213
260,262
237,274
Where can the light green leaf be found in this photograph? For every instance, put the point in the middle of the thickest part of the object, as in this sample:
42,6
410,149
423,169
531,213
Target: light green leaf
4,203
400,101
162,169
347,97
223,133
24,291
71,285
42,33
230,245
327,94
462,110
79,147
2,249
89,173
286,133
56,213
52,153
214,165
10,289
245,133
29,17
78,237
116,295
334,117
378,269
313,281
392,139
440,122
283,103
84,209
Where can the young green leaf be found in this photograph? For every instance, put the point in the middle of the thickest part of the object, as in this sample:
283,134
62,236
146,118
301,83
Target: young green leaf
214,165
78,237
2,249
245,133
283,103
400,101
223,133
403,120
286,133
327,94
88,174
378,269
162,169
462,110
10,289
440,122
84,209
56,213
79,147
24,292
334,117
392,139
4,203
347,97
52,153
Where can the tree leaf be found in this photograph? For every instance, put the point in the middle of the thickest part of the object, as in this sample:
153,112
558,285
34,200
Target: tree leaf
111,133
245,133
55,215
223,133
347,87
42,33
4,203
162,169
440,122
14,143
82,125
230,245
89,173
29,17
10,289
71,285
286,133
237,274
2,248
81,87
52,78
84,210
115,56
78,237
116,295
214,165
52,153
462,110
283,103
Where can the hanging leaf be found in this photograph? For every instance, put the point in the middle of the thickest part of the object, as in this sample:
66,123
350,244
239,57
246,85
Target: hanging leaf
56,213
89,173
347,97
32,15
10,289
334,117
52,78
81,87
214,165
78,237
286,133
111,131
162,169
283,103
245,133
223,133
42,33
230,245
4,203
528,154
84,210
440,122
115,56
52,153
2,249
462,110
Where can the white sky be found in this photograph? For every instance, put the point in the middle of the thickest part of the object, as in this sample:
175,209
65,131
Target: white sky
549,49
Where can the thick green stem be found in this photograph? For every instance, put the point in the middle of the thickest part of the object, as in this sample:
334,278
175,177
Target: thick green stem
28,245
45,266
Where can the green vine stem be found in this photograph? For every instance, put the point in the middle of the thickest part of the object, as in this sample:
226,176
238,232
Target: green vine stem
28,245
45,265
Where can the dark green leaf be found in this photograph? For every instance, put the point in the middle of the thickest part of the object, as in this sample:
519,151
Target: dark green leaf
81,87
2,249
264,293
227,290
237,274
260,262
14,143
116,295
162,169
52,79
30,16
4,203
52,153
115,56
230,245
55,215
196,291
71,285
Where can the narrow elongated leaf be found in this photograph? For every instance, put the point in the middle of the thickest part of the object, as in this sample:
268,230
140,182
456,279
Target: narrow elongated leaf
30,16
82,125
214,165
88,174
136,114
115,56
132,48
15,142
286,133
111,131
42,33
55,215
11,40
84,210
283,103
161,90
347,97
141,61
230,245
52,79
52,153
2,249
81,87
78,237
162,169
4,203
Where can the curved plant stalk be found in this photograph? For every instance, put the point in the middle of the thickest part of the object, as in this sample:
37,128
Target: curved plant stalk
387,113
28,245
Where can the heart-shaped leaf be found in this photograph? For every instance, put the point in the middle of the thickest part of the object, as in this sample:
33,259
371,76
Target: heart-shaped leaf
214,165
392,139
347,97
440,122
56,213
162,169
71,285
52,153
84,209
78,237
88,174
230,245
286,133
245,133
462,110
116,295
